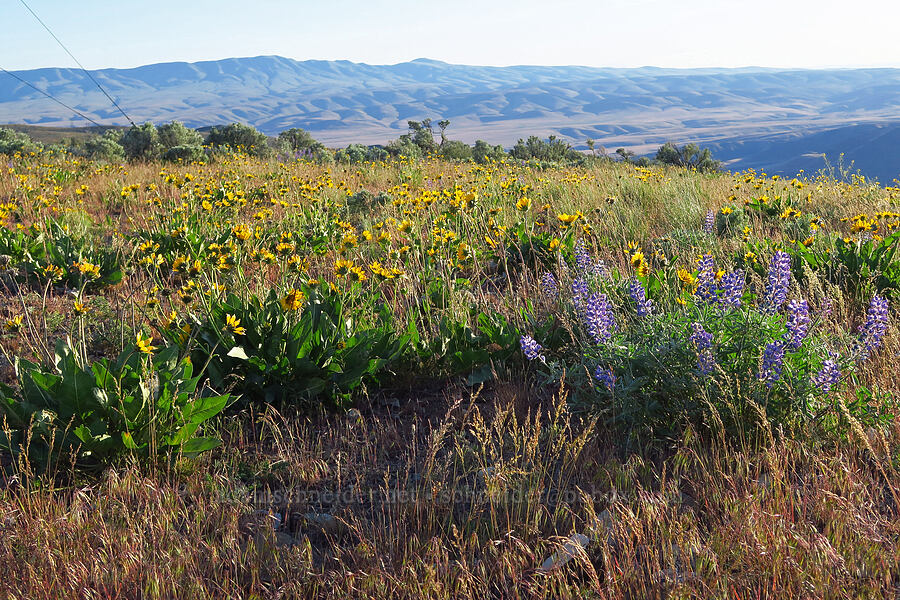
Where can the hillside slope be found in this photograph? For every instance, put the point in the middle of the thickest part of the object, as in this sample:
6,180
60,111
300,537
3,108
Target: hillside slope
739,111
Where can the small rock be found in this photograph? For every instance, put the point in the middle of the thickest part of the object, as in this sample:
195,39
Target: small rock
570,549
323,521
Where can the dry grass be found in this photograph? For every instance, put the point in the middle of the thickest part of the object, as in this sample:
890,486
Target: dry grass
465,503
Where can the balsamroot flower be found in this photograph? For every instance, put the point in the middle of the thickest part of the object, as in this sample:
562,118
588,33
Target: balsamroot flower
777,283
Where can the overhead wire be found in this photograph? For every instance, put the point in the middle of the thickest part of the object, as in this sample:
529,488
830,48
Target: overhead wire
58,101
86,72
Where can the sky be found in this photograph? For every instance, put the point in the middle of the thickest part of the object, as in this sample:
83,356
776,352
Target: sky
601,33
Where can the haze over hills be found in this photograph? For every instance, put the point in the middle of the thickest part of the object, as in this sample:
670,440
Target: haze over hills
777,120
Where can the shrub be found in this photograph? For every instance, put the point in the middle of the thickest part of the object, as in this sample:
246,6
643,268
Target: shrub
175,134
106,147
141,142
238,136
298,140
184,154
455,150
12,141
483,152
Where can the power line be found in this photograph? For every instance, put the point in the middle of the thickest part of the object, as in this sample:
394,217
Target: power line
60,102
86,72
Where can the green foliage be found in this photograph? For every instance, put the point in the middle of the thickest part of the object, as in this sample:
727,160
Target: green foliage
553,150
183,154
240,136
854,263
61,256
141,142
455,150
106,147
690,156
298,140
358,153
306,351
176,134
12,142
476,353
482,152
404,147
96,414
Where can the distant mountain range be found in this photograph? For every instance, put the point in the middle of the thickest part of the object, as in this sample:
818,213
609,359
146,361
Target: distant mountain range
772,119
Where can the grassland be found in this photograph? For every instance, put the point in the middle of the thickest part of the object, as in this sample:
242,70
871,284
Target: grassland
369,419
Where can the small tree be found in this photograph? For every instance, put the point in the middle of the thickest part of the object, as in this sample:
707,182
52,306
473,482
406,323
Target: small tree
298,140
690,156
141,142
421,135
626,155
444,124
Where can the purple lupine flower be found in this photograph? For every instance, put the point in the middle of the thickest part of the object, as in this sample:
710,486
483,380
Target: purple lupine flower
701,338
579,293
706,278
777,283
772,363
702,341
797,323
828,377
639,296
601,270
731,289
531,348
605,376
710,222
706,362
598,317
875,326
582,258
827,306
549,286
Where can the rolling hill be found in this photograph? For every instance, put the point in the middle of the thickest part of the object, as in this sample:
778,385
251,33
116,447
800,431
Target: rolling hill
778,120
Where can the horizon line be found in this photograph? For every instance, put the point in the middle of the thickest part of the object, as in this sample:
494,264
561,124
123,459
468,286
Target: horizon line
480,66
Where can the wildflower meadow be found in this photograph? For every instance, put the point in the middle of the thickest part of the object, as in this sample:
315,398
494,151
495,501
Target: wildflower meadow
242,376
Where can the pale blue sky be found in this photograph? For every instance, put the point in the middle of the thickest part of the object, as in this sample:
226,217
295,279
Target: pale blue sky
613,33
